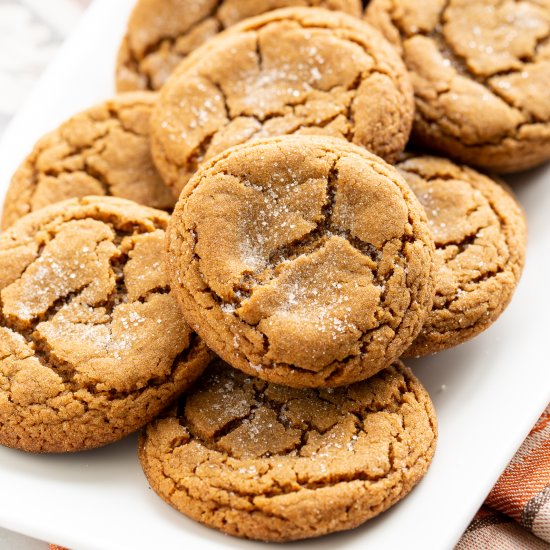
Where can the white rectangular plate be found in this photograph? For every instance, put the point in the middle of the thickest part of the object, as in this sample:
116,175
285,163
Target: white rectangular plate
488,393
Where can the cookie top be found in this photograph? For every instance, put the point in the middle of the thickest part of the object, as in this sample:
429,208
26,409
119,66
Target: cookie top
305,261
481,74
93,344
101,151
263,461
163,32
282,73
480,237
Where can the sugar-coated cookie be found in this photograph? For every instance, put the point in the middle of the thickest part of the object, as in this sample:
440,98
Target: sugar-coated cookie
163,32
298,70
262,461
101,151
93,344
306,261
481,75
480,236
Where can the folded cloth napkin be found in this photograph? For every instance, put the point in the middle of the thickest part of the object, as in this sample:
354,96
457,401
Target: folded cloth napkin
522,493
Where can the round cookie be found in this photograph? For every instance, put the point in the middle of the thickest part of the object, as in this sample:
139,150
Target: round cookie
262,461
481,74
101,151
304,261
163,32
93,343
480,236
282,73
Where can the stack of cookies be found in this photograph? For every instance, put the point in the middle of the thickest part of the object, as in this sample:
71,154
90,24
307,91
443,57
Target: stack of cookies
235,252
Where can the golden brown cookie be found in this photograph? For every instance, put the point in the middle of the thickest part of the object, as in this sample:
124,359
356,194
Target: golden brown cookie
481,74
101,151
282,73
163,32
262,461
480,236
305,261
92,341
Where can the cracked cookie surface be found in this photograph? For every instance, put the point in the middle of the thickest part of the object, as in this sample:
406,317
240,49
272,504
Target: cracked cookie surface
481,74
262,461
480,236
161,33
101,151
277,74
305,261
92,342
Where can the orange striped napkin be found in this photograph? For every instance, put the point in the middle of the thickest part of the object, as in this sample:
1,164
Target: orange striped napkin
522,494
516,514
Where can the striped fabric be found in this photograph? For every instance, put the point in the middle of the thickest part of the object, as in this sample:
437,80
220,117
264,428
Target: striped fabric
522,494
493,530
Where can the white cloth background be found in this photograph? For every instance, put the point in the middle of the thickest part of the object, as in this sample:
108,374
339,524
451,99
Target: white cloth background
30,33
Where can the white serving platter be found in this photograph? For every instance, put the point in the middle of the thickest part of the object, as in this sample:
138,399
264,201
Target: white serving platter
488,393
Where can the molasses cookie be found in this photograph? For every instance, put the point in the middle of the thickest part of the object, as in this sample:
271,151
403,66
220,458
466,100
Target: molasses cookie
480,236
262,461
101,151
93,344
302,260
282,73
162,32
481,74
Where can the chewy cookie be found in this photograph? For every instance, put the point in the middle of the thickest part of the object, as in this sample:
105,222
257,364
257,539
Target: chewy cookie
282,73
101,151
93,343
267,462
480,237
305,261
481,74
163,32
